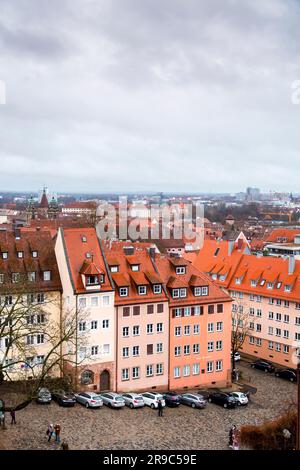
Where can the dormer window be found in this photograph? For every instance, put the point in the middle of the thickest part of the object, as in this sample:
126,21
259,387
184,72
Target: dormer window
15,277
20,254
270,285
4,254
287,288
238,280
142,290
223,277
34,254
279,284
180,270
135,267
1,278
123,291
176,293
92,280
214,277
157,289
114,269
83,239
263,281
31,276
253,283
88,255
47,275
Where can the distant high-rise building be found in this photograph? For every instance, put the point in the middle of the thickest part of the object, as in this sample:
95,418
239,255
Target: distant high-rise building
253,194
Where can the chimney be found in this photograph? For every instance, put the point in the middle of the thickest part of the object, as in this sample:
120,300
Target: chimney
230,247
292,263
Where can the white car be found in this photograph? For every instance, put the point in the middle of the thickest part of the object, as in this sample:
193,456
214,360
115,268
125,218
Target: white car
152,398
89,399
237,356
240,398
113,400
133,400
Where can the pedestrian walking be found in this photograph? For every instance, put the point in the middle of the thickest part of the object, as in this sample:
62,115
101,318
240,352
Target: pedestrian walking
231,435
57,429
50,431
13,417
235,443
160,408
2,419
64,446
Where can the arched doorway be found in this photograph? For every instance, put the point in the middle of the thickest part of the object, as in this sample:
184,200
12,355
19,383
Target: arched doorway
104,381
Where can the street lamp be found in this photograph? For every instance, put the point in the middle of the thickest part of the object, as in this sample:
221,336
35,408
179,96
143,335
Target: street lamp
286,435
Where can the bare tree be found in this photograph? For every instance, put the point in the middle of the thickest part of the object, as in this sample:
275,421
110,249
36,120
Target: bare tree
242,324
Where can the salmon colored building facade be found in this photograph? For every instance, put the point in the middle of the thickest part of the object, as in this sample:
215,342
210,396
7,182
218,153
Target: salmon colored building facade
267,290
200,324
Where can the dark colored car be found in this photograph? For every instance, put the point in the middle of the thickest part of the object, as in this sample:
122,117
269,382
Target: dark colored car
222,399
287,374
64,398
263,365
172,399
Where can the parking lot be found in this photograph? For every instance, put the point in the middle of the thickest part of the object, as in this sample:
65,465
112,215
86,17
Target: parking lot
179,428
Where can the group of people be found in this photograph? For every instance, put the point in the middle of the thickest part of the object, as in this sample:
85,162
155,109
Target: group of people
233,438
54,431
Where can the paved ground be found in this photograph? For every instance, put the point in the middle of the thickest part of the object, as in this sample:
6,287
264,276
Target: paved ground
181,428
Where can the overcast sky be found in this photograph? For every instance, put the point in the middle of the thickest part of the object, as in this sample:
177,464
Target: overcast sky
159,95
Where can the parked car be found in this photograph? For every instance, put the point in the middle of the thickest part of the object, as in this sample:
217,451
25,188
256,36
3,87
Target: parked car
64,398
263,365
222,399
44,396
172,399
89,399
240,397
133,400
237,356
113,400
195,401
151,399
287,374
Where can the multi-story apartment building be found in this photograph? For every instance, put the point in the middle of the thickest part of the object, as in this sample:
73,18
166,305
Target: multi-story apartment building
267,291
200,324
142,319
30,301
88,292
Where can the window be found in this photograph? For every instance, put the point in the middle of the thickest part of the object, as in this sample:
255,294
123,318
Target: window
159,327
183,292
94,301
40,359
30,339
270,345
198,310
31,276
149,328
160,308
187,330
177,351
251,339
270,285
123,291
278,302
125,374
136,330
94,325
286,319
278,347
149,370
125,352
258,327
286,334
125,331
135,267
149,349
251,326
258,341
114,269
197,291
159,369
186,371
157,289
205,290
15,277
220,308
82,302
180,270
30,320
186,349
196,348
210,346
40,338
219,326
106,348
287,288
297,321
176,372
105,323
175,293
94,350
136,351
298,305
4,255
211,309
106,300
219,345
34,254
210,366
126,311
270,330
150,309
136,310
271,315
82,326
47,275
210,327
159,348
278,316
40,318
251,311
286,303
177,330
286,349
219,365
196,329
278,332
258,312
142,290
297,336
